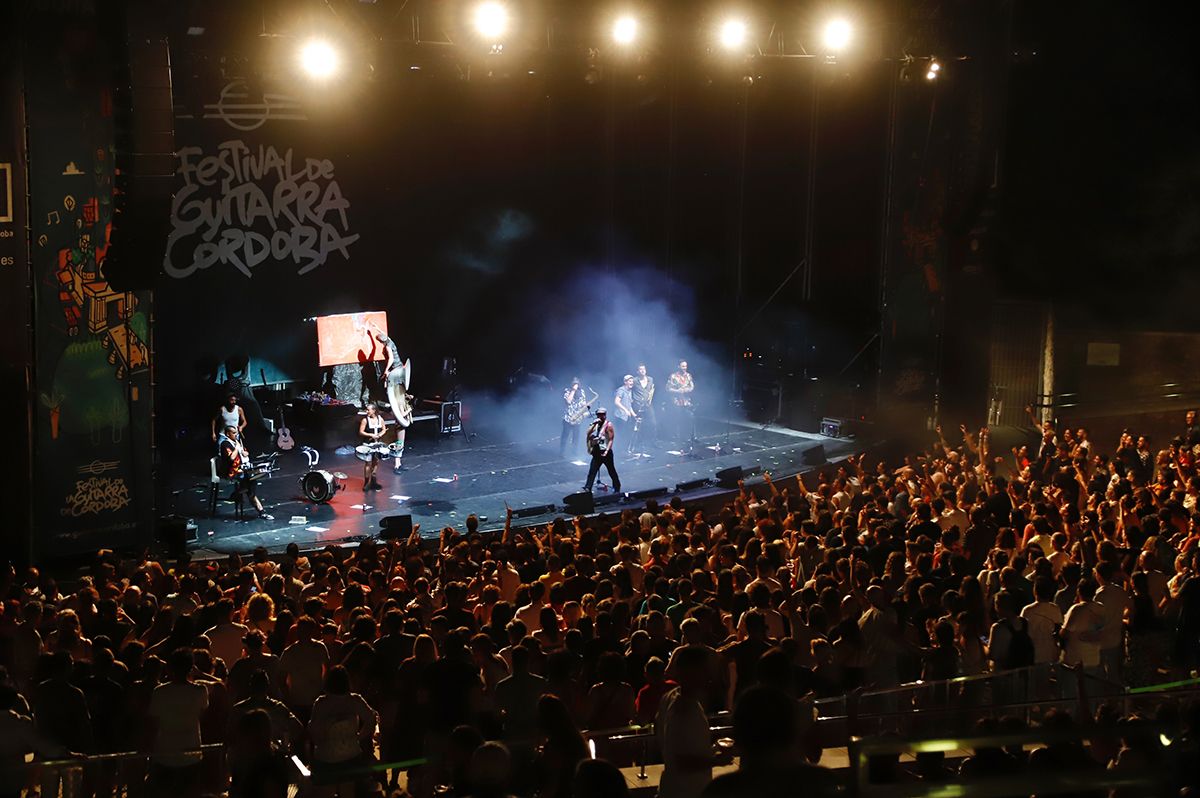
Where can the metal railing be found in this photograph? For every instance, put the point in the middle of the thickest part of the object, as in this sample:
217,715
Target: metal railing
873,761
904,711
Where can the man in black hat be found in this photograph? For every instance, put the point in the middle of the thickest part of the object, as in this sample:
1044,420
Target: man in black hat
600,438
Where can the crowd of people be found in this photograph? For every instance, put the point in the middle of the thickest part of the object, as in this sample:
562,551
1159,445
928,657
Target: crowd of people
503,664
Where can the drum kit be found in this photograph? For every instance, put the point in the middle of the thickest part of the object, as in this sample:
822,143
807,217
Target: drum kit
320,486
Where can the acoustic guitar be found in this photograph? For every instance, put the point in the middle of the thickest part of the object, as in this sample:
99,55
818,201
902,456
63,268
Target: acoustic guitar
283,438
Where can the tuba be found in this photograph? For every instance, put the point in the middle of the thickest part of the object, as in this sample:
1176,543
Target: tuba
403,410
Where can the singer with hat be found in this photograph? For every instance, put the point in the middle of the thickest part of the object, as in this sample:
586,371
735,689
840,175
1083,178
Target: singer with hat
601,436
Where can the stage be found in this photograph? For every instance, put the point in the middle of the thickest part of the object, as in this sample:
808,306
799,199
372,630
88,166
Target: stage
448,477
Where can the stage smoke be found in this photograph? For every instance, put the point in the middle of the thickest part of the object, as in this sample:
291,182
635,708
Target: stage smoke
599,326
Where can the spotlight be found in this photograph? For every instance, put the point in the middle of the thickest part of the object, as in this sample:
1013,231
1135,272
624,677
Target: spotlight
625,30
318,59
733,34
491,20
935,69
836,35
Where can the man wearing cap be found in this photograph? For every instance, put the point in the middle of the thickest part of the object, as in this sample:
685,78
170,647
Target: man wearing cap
624,413
600,438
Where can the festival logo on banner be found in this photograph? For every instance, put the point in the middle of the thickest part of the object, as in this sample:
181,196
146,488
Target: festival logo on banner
242,206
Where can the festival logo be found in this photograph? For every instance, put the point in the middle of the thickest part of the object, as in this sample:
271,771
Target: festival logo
241,206
236,107
96,495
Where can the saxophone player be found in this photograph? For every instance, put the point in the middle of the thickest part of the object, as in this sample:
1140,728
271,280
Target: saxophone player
646,426
576,405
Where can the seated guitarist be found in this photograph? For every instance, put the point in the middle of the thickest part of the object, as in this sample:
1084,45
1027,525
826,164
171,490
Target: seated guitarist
234,463
600,438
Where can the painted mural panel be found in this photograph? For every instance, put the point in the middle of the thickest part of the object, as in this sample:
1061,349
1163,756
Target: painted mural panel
92,343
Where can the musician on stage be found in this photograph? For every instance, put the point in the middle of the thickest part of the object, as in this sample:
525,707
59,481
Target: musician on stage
626,418
396,378
681,386
600,438
371,429
576,405
235,464
229,414
643,409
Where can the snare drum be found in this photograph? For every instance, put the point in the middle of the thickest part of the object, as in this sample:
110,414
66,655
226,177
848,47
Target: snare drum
369,450
320,486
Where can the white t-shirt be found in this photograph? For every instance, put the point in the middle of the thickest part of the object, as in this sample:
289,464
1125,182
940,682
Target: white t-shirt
682,729
176,708
510,581
531,616
1113,601
338,723
1043,618
227,641
1084,618
303,663
954,517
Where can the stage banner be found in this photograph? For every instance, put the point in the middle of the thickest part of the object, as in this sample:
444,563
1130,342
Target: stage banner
14,287
92,444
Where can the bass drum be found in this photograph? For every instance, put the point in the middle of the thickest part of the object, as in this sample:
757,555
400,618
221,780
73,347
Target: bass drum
319,486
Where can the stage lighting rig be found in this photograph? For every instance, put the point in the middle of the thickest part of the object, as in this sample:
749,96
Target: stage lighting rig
625,30
318,59
732,34
491,21
836,35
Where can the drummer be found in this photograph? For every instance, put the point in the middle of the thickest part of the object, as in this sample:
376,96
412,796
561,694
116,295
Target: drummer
371,428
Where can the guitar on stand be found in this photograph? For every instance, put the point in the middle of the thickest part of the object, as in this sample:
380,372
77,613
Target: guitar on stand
283,436
283,440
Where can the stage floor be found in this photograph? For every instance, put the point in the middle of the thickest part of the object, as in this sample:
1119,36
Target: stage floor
447,478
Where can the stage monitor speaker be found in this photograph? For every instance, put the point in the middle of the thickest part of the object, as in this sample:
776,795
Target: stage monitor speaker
605,499
728,477
581,503
537,509
451,417
144,143
831,427
683,487
814,455
175,532
395,526
650,493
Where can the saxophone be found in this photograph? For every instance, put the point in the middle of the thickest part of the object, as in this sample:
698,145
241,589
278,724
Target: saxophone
578,410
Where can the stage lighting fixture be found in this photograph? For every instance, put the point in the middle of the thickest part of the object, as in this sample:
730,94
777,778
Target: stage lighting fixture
318,59
491,20
625,30
733,34
935,69
836,35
